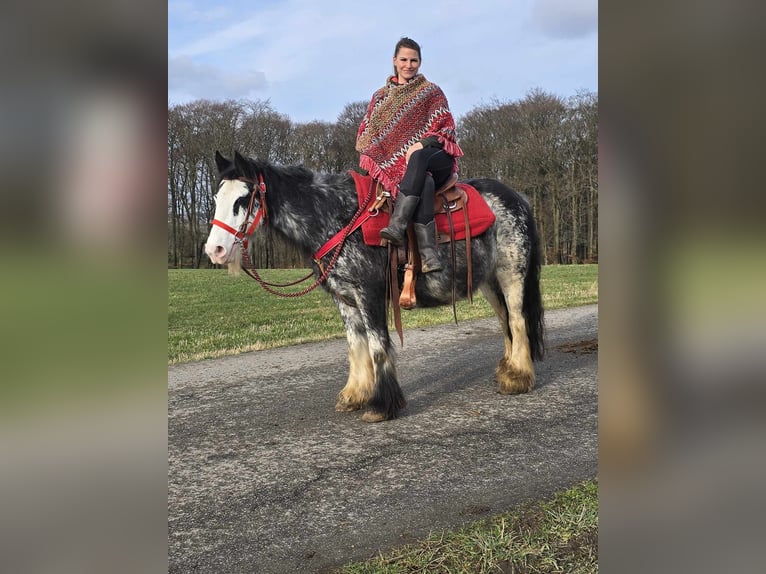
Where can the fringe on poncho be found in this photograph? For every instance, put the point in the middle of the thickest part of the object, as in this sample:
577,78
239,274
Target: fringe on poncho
400,115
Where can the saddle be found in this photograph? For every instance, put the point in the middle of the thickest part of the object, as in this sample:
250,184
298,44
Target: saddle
448,199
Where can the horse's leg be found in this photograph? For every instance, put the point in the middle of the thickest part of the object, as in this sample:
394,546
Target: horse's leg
515,372
361,376
494,296
387,398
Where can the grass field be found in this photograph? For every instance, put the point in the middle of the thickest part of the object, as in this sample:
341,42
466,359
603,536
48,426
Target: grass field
213,314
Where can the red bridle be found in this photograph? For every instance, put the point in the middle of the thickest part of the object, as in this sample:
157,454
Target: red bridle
246,231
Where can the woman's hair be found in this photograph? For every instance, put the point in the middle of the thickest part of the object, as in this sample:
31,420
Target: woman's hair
405,42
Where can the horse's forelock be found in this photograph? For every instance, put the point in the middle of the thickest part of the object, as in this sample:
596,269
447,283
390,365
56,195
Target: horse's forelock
229,173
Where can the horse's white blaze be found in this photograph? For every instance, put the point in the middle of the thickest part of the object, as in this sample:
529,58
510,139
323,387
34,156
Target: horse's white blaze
220,243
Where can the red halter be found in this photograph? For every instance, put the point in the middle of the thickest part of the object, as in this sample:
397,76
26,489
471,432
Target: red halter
246,231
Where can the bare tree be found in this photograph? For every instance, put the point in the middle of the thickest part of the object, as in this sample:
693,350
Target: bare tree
311,145
545,148
342,154
265,134
542,146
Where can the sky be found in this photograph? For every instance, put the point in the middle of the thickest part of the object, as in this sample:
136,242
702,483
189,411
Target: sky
309,58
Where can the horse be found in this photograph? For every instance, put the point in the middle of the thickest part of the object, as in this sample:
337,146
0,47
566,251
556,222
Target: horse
307,208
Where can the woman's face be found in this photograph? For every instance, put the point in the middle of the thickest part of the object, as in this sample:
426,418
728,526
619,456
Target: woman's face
406,64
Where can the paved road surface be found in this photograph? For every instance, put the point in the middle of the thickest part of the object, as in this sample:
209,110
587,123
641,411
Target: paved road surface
264,476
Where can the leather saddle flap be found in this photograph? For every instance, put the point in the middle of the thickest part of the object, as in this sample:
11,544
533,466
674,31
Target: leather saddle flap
453,198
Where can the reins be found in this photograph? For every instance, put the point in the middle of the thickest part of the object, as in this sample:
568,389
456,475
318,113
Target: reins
335,244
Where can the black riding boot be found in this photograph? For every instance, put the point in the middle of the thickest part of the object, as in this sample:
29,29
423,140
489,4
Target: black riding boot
425,233
404,207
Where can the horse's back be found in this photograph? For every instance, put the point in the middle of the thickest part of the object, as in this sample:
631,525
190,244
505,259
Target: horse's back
510,199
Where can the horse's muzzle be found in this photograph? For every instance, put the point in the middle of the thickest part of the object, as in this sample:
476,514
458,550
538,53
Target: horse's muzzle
217,253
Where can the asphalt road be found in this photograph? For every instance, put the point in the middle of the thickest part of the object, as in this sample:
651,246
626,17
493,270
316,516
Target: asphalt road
264,475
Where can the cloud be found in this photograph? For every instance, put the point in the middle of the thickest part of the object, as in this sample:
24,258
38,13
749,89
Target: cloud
188,12
224,39
311,58
565,18
188,78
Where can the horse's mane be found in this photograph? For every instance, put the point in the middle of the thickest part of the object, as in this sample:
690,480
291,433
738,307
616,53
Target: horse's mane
305,206
285,174
281,173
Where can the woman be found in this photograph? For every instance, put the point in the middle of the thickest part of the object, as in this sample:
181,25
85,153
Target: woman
410,108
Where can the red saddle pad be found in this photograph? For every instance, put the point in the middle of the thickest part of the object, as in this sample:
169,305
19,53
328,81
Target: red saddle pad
480,216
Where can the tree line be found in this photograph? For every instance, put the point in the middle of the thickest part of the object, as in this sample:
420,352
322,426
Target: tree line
543,146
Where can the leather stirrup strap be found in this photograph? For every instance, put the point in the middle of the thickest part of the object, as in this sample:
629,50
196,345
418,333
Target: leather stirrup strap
392,284
468,263
454,259
408,299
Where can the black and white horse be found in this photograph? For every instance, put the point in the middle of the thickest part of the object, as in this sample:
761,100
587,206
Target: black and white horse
309,208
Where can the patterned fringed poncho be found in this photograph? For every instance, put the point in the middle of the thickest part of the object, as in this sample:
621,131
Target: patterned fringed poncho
399,116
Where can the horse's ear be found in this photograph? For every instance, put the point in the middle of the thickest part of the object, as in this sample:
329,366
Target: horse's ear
242,164
221,162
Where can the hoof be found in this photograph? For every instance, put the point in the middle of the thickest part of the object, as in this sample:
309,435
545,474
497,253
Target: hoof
511,381
373,417
513,389
344,407
347,402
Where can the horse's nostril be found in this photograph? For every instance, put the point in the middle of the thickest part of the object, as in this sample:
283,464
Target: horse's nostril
216,253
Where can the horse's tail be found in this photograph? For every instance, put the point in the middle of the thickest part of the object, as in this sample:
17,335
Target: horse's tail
532,303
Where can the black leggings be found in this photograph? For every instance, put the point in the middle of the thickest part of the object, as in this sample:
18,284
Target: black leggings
428,169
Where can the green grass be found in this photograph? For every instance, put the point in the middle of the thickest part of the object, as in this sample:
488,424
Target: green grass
212,314
569,285
555,535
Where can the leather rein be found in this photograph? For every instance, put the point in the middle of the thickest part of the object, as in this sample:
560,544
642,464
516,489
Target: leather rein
335,244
